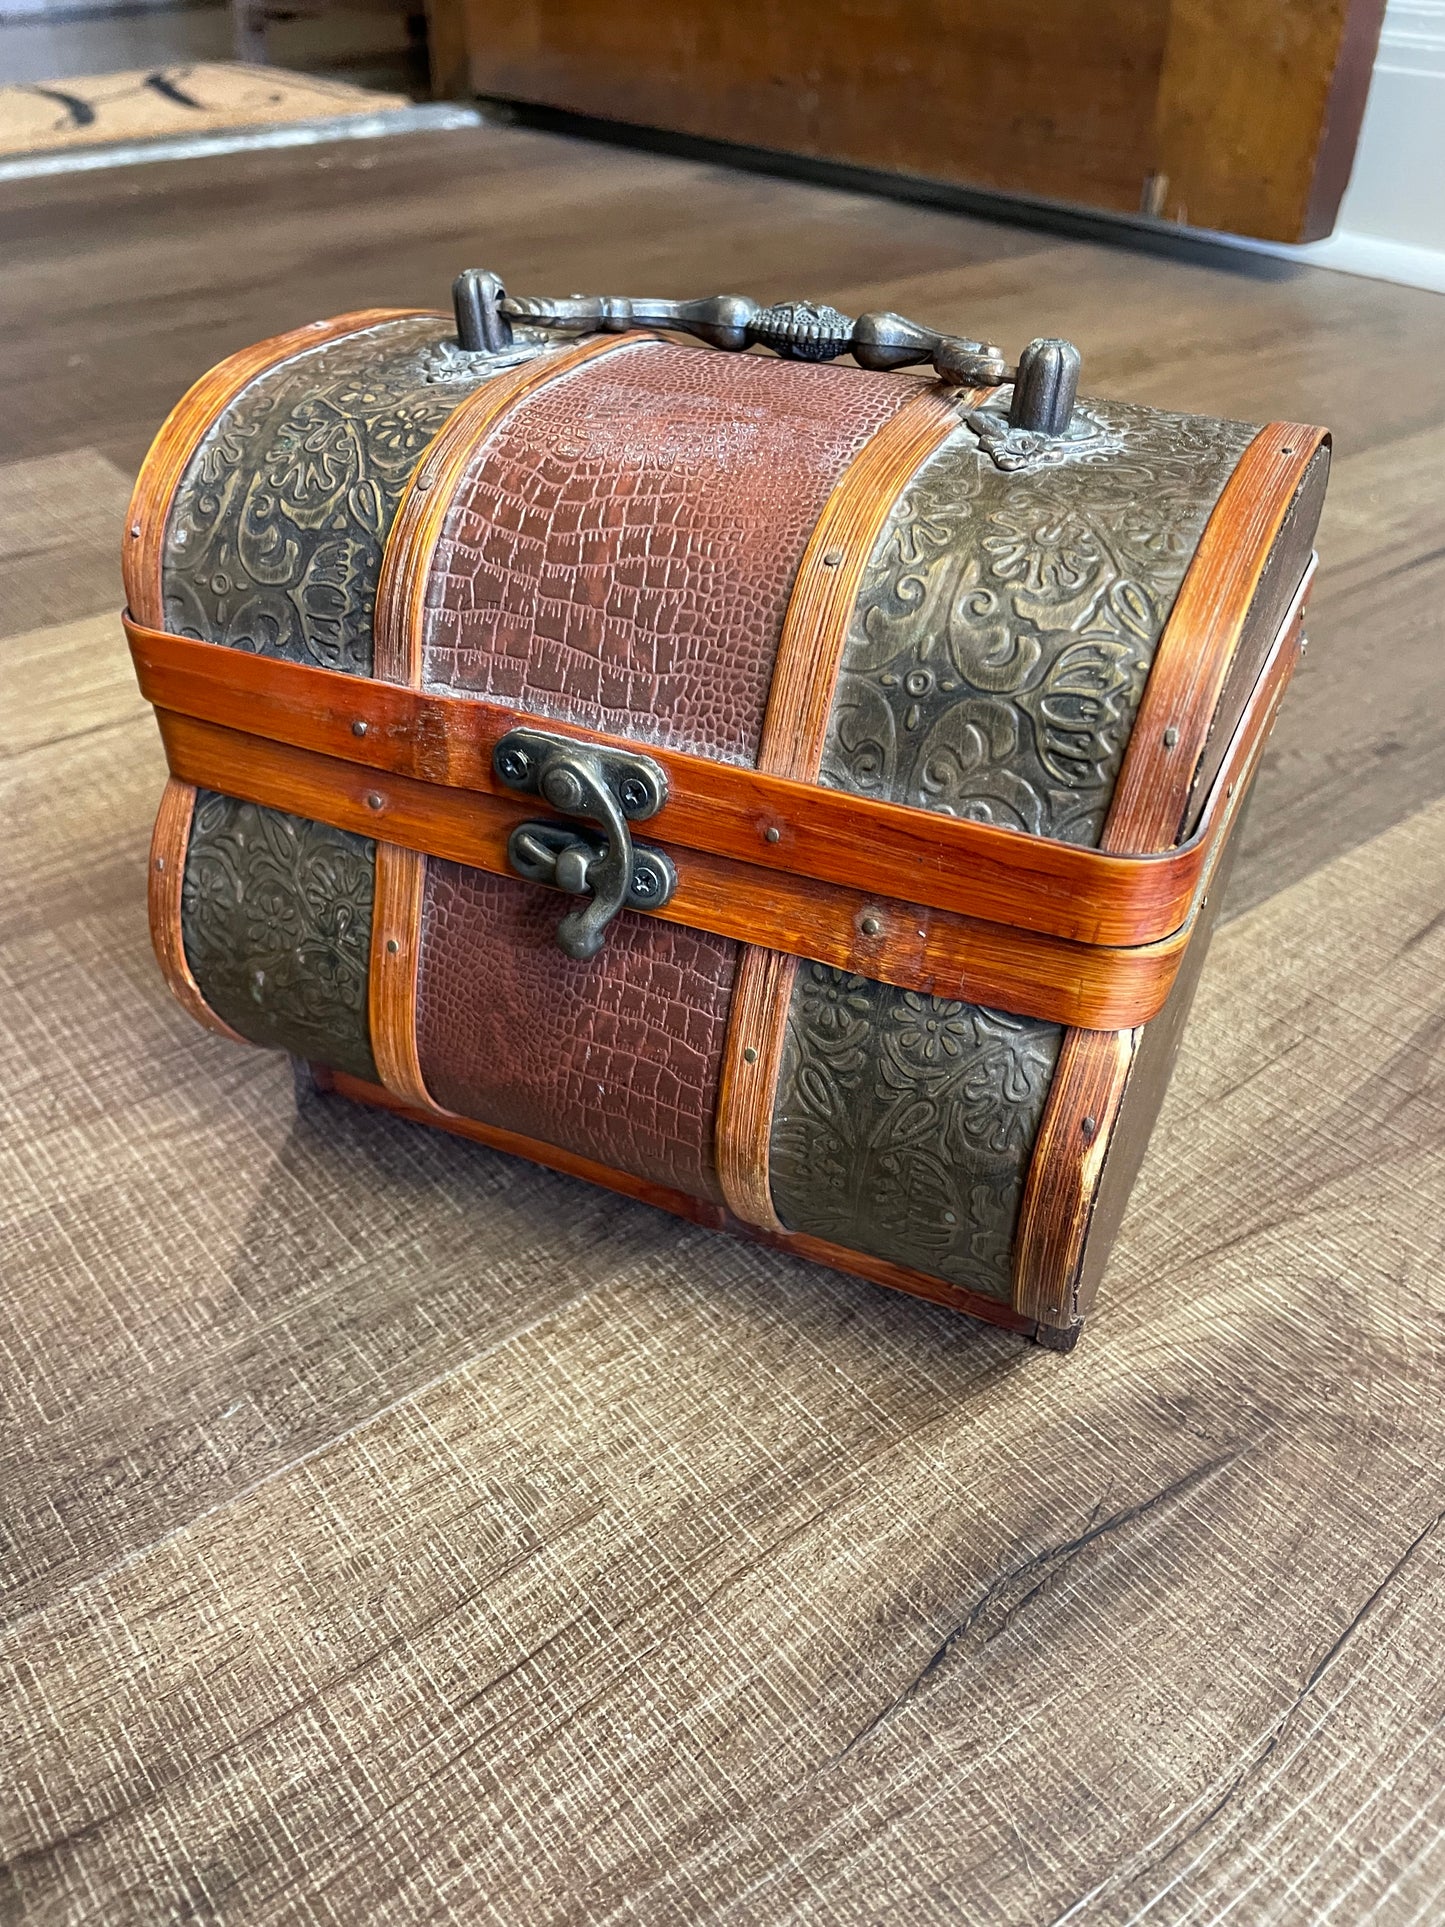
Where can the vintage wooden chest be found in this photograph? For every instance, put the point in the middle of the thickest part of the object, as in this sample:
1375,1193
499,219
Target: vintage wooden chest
793,794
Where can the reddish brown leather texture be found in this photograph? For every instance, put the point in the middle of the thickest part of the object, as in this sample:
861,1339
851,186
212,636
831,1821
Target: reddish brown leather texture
622,552
620,555
620,1055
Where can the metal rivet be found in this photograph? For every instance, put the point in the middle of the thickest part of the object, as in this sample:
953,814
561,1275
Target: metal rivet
832,558
750,1056
1288,451
358,728
771,833
1171,737
423,482
135,528
1089,1126
160,863
870,926
373,801
392,946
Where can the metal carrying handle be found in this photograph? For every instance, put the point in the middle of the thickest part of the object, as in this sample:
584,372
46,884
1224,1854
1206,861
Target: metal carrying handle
1046,380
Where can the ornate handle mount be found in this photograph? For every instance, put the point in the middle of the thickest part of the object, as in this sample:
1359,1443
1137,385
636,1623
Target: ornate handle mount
1045,382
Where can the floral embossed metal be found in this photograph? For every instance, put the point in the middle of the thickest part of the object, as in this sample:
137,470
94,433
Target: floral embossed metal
274,546
276,912
997,654
904,1123
275,541
1006,624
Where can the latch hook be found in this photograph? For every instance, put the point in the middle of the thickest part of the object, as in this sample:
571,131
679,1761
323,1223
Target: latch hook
603,786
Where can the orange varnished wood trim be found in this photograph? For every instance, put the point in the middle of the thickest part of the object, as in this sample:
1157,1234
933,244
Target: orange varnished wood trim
1073,1141
395,956
795,728
169,841
876,1270
1148,809
396,916
143,548
942,862
931,951
820,608
1198,643
757,1029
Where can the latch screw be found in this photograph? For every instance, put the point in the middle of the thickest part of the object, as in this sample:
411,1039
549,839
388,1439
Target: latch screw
513,765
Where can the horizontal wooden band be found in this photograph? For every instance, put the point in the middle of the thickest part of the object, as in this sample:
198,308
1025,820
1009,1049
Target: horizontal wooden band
878,1271
944,863
935,952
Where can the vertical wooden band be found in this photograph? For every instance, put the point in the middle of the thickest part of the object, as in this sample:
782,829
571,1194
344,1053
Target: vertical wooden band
401,603
795,729
1148,809
143,573
169,841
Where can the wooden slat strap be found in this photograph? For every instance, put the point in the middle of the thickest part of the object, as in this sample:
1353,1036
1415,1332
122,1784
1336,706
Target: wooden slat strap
825,835
1150,798
935,952
169,841
800,701
396,918
142,569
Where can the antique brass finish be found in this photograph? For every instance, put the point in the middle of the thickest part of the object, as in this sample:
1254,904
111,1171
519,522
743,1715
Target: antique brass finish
602,786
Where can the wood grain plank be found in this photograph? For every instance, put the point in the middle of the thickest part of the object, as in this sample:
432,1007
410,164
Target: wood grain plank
733,1591
60,522
77,676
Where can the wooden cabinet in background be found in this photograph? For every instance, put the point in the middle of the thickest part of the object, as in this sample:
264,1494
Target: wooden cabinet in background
1239,115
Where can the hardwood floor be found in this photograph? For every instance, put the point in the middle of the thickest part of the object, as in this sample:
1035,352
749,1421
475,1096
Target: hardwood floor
396,1532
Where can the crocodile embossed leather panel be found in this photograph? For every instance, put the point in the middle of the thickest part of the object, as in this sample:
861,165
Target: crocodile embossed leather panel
621,556
622,552
616,1059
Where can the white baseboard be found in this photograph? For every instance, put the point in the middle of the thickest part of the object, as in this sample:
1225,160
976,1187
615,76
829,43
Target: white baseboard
1370,255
